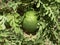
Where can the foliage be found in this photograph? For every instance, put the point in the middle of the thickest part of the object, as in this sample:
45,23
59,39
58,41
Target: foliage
11,18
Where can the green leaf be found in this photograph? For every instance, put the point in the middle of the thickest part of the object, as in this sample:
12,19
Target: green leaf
58,1
38,4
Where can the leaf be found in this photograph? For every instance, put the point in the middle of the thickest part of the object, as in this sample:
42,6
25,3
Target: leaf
38,4
58,1
2,22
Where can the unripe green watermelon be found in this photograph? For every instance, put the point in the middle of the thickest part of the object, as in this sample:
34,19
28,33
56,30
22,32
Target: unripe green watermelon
30,21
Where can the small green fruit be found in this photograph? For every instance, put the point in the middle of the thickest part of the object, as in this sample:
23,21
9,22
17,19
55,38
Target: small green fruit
30,21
